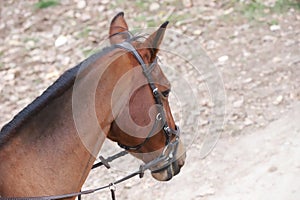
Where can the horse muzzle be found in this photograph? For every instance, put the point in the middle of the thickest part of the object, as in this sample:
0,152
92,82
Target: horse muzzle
172,160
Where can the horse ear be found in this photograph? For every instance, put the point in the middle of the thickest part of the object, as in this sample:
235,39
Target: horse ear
153,42
118,25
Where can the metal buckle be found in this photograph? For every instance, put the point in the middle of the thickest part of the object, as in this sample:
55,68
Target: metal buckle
158,117
155,91
104,161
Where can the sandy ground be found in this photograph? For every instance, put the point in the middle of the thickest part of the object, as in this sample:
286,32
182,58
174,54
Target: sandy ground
256,52
262,165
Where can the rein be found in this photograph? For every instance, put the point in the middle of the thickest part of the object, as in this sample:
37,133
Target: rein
160,163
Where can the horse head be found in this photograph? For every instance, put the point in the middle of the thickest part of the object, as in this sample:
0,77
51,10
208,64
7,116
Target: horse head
143,124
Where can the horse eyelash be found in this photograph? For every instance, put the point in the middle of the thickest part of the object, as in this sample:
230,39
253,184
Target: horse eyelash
166,93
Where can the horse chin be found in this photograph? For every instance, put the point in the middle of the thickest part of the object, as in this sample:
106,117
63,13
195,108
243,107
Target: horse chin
166,174
163,175
172,170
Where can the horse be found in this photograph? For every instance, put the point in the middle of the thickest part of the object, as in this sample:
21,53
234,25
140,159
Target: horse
119,93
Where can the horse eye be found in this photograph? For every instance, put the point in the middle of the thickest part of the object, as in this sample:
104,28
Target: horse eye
166,93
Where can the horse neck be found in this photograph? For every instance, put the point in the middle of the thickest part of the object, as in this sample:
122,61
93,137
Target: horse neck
53,154
45,156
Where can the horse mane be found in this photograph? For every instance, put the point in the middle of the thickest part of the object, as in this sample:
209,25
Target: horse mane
57,89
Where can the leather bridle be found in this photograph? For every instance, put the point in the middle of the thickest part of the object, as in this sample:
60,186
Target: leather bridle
160,163
170,146
161,116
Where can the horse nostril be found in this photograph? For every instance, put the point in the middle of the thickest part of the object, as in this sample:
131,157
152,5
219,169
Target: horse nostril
180,163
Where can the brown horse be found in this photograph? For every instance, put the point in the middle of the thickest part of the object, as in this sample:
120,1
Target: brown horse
51,145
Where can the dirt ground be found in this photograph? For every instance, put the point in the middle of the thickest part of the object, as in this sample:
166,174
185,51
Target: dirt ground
262,165
254,45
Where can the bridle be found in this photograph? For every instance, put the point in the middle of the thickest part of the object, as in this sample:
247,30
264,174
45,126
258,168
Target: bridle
170,146
160,163
161,116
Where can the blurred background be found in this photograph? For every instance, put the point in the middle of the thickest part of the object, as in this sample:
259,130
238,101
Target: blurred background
255,46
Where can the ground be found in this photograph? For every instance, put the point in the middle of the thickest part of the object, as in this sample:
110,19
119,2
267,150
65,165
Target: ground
255,47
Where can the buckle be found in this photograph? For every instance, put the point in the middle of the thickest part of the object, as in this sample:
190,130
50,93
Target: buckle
155,91
104,162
